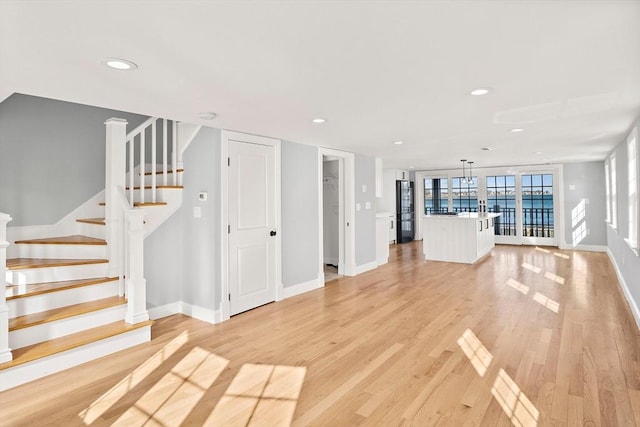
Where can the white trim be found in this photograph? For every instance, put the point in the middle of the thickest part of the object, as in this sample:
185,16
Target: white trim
198,312
181,307
301,288
348,184
166,310
586,248
625,289
224,311
365,267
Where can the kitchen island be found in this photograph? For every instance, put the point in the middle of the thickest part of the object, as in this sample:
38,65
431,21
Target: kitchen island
465,237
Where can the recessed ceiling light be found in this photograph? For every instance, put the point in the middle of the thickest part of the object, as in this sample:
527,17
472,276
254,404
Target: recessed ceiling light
207,115
517,130
398,142
486,148
538,152
319,120
480,91
411,167
120,64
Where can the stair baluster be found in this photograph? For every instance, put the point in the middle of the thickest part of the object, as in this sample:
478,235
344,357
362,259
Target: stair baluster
5,351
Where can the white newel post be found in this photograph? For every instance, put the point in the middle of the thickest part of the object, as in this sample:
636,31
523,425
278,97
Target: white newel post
136,283
5,351
115,177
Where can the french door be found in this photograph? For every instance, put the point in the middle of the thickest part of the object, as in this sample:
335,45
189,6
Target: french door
526,201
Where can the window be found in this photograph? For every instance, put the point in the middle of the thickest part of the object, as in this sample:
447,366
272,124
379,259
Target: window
501,198
607,189
632,151
614,193
436,195
537,205
465,194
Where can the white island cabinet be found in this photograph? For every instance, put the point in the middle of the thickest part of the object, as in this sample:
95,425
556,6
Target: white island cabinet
465,238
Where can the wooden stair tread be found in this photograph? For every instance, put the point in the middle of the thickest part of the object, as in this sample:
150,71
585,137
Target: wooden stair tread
162,172
23,291
25,263
64,312
96,221
149,187
68,342
139,204
64,240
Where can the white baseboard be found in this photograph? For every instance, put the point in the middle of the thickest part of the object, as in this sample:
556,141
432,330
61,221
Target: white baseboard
301,288
180,307
365,267
587,248
625,289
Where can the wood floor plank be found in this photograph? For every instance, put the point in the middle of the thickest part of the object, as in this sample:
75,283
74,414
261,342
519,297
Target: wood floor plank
381,349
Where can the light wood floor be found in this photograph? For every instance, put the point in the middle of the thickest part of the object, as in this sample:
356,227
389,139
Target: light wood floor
528,336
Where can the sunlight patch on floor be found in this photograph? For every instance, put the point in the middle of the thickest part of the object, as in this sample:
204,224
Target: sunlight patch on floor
172,398
477,353
559,255
260,395
521,287
551,276
104,402
531,267
515,404
539,249
546,302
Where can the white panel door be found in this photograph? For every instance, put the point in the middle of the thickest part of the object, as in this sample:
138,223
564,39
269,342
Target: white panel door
252,225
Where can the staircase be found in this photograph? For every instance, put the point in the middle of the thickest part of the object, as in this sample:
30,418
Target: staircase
73,298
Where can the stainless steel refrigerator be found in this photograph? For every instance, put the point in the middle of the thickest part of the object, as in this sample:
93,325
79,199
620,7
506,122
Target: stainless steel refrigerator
404,211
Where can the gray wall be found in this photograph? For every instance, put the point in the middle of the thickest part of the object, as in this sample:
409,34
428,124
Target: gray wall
182,257
365,221
331,211
587,181
52,156
300,220
627,261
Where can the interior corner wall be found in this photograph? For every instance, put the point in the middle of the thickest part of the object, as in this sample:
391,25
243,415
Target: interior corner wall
300,219
584,204
365,220
627,262
182,257
52,156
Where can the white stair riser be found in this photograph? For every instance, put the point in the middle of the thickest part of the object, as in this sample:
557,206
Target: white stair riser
43,302
24,373
54,274
91,230
48,331
62,251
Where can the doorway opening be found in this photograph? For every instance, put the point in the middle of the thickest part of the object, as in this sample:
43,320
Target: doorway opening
332,217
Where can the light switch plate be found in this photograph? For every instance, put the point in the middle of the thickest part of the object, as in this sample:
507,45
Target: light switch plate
197,212
364,188
358,207
367,205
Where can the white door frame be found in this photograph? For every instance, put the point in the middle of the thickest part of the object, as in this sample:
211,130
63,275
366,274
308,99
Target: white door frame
518,171
224,312
347,225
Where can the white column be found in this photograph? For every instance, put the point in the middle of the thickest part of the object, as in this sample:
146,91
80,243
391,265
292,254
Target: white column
5,351
136,283
115,172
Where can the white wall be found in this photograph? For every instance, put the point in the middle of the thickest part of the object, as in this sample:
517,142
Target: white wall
625,260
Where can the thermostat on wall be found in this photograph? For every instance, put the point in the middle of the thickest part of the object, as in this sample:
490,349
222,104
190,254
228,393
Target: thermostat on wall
202,196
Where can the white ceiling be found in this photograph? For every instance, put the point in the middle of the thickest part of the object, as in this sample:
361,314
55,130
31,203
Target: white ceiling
568,72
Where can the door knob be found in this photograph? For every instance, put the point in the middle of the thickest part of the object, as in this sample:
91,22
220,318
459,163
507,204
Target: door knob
272,233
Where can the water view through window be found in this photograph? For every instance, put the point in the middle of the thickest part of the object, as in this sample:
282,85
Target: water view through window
536,195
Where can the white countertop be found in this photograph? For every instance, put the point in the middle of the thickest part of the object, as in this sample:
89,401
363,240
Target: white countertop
385,214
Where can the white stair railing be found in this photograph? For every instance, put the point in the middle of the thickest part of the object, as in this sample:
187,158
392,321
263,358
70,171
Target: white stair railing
138,140
5,351
124,234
